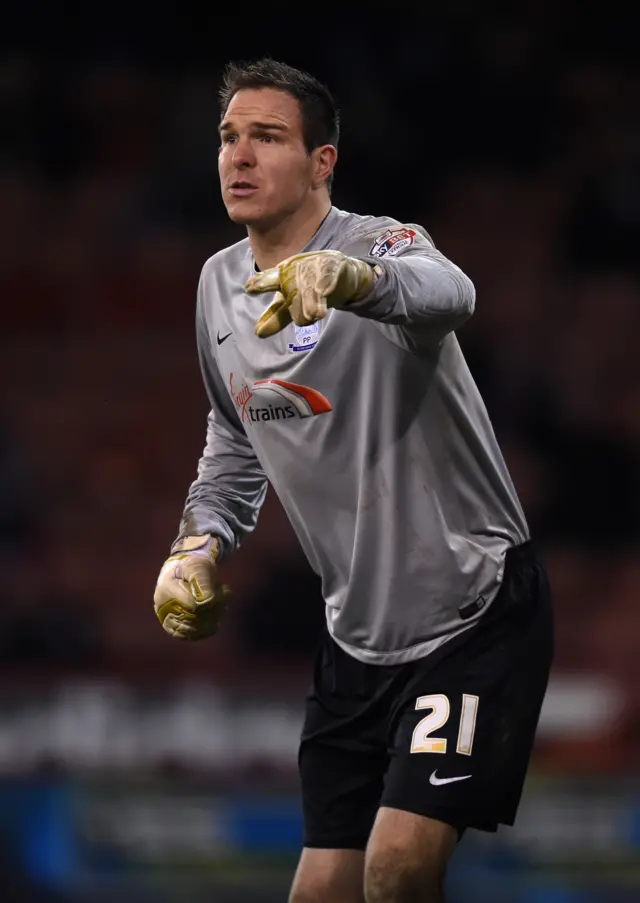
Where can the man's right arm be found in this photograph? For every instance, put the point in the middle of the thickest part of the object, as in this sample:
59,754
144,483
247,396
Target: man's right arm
225,498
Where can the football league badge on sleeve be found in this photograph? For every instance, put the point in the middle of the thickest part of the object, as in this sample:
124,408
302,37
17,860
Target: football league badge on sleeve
305,337
392,242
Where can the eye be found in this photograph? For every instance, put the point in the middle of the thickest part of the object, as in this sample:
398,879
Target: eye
267,139
227,138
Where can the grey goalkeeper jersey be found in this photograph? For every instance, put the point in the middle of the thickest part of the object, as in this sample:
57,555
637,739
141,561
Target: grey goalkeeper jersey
371,430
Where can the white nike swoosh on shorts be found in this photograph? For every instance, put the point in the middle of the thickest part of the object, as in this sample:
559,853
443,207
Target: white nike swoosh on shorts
434,780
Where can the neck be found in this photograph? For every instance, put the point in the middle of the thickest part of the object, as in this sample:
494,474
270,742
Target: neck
275,243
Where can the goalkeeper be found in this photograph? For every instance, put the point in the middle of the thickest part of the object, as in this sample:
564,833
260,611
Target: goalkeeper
328,351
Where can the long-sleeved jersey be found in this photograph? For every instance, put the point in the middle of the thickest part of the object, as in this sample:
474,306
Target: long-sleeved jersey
373,434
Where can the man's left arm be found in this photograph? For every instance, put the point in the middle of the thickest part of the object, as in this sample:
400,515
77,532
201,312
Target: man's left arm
415,288
394,276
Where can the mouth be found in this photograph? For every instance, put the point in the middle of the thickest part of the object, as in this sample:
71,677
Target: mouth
240,188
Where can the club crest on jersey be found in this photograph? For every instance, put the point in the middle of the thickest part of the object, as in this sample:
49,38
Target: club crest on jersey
277,399
305,337
392,242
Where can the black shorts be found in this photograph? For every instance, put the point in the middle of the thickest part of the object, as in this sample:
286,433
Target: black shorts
448,736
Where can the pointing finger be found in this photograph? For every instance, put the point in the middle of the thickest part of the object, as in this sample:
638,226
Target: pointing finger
267,281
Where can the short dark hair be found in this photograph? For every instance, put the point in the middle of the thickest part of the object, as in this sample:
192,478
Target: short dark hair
320,118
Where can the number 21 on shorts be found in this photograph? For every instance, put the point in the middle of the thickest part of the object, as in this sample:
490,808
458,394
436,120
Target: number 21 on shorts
423,741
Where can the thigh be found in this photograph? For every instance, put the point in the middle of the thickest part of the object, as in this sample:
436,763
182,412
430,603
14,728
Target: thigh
464,732
407,856
329,876
343,751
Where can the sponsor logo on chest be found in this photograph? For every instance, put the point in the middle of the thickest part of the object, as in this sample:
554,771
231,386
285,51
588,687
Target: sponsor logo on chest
276,399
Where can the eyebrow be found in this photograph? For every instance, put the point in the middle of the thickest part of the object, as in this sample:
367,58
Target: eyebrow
265,126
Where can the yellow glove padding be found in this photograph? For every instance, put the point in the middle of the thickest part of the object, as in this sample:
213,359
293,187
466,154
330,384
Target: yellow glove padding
187,600
306,285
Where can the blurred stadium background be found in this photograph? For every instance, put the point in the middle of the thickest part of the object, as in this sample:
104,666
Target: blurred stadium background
137,766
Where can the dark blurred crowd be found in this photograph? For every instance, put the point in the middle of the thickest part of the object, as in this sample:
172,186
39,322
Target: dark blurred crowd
518,151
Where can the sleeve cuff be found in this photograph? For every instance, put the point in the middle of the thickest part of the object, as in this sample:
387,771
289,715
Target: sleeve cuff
379,301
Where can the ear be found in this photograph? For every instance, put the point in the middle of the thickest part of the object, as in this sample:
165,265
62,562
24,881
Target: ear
324,159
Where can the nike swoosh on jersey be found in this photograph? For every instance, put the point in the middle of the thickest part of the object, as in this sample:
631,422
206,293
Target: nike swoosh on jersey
434,780
224,338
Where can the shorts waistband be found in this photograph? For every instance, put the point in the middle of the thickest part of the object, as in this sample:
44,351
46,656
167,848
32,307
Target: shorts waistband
523,552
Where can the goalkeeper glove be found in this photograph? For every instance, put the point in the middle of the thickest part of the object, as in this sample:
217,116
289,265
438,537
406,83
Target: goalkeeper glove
306,285
187,600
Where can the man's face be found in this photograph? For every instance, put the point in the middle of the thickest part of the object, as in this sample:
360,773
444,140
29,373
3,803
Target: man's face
265,170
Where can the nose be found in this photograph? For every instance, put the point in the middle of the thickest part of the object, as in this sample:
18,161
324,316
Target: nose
243,155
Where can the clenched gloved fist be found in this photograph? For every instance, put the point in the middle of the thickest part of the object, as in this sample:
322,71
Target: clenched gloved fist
188,601
306,285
